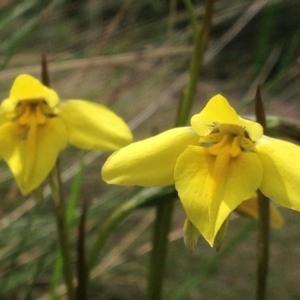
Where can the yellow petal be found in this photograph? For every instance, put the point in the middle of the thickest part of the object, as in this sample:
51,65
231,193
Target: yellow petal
26,87
218,111
31,159
209,199
149,162
281,178
249,208
93,126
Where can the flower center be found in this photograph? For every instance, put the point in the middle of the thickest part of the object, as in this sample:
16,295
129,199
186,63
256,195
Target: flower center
231,139
30,112
29,115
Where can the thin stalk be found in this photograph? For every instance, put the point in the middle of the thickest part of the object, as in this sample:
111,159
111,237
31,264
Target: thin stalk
62,228
263,243
158,254
164,211
200,45
263,239
60,206
81,291
45,74
192,17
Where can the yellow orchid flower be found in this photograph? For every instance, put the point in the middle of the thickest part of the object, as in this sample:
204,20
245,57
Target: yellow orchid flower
35,127
216,164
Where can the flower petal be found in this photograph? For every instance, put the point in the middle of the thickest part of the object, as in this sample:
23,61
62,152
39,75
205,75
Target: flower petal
219,111
93,126
31,159
281,178
149,162
209,200
249,208
26,87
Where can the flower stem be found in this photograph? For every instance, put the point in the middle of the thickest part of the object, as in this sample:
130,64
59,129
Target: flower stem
164,211
81,290
158,255
263,241
262,246
62,228
201,38
193,18
60,206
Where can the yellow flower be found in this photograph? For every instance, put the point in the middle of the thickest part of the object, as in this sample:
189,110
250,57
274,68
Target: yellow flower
216,164
35,127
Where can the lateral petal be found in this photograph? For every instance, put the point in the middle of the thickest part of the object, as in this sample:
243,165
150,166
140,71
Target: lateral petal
281,178
149,162
94,127
208,200
31,159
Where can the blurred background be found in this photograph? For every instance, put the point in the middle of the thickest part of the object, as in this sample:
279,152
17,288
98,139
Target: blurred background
133,56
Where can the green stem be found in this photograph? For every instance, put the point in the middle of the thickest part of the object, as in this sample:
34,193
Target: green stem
62,228
193,18
164,211
263,242
160,242
262,245
81,291
200,45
